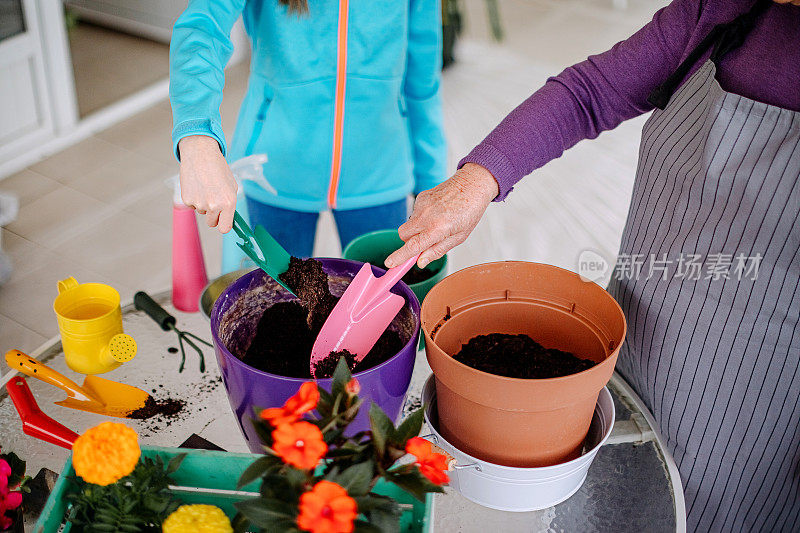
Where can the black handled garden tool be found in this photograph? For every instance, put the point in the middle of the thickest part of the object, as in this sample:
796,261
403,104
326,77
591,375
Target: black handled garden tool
143,302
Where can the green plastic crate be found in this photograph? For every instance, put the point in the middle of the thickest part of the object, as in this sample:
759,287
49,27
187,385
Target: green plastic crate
216,473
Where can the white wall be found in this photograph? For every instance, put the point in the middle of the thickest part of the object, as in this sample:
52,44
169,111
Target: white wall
38,111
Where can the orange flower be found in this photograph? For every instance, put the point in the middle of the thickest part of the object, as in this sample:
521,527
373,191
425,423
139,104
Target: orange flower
295,407
432,465
327,509
299,444
106,453
352,387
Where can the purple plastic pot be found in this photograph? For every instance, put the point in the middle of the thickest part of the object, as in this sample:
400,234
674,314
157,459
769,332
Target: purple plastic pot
233,325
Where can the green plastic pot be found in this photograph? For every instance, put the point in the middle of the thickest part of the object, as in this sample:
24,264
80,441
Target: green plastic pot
211,477
376,246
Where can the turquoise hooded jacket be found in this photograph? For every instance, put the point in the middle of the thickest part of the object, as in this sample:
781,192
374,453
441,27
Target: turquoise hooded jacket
345,101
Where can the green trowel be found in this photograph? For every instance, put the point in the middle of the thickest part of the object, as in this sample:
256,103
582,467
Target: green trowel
263,249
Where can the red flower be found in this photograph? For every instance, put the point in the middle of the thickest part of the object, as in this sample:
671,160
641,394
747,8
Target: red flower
327,509
8,500
5,472
295,407
432,465
299,444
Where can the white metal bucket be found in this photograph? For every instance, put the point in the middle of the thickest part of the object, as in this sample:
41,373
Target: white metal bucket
515,489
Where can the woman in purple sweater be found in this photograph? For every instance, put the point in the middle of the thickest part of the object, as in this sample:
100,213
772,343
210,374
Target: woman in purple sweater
716,357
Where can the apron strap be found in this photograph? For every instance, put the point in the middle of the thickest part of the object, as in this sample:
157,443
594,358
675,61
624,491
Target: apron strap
723,37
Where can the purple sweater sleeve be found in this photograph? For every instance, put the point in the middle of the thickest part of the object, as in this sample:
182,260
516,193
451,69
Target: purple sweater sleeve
588,98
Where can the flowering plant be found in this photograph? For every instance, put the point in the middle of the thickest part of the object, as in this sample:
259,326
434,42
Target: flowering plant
316,478
12,485
115,489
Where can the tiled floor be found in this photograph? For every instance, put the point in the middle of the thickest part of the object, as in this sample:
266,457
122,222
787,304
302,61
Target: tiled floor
100,211
123,65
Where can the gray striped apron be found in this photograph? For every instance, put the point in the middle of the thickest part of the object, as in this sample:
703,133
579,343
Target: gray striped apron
709,278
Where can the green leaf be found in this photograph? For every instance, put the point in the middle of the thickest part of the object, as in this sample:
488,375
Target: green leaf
338,453
386,517
413,482
360,436
336,404
264,431
278,485
340,377
265,507
325,396
371,501
258,468
352,411
155,503
324,405
269,514
358,478
175,463
297,478
410,427
332,474
366,527
105,516
382,428
333,435
240,523
128,507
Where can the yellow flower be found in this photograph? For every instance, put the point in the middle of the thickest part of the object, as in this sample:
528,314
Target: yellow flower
106,453
197,518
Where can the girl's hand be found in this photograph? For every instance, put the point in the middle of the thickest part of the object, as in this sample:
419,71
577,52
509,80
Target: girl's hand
444,216
207,183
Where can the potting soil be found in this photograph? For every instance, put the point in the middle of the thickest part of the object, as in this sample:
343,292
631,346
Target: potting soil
417,275
328,365
519,356
310,283
287,330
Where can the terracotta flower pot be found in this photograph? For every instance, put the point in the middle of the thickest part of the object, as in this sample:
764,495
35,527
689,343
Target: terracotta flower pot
512,421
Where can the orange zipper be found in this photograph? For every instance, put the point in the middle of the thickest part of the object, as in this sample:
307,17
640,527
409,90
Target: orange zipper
338,116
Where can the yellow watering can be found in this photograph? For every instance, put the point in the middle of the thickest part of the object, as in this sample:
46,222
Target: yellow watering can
90,322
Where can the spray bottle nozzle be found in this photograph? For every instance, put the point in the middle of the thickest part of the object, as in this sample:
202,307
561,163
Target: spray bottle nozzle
175,184
252,168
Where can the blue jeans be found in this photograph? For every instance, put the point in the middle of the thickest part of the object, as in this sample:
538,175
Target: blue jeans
295,230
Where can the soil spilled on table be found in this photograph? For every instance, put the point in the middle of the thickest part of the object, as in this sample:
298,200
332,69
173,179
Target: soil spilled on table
519,356
159,415
287,330
167,408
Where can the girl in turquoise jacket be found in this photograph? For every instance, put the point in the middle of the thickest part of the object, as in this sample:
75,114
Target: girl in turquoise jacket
343,99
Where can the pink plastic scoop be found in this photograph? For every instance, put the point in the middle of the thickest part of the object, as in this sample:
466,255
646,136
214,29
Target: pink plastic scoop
362,314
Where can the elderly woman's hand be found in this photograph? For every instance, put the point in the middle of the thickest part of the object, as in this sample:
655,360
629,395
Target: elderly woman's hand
444,216
207,183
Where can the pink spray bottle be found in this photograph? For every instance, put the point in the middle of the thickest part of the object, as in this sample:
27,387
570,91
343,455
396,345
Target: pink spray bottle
188,267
